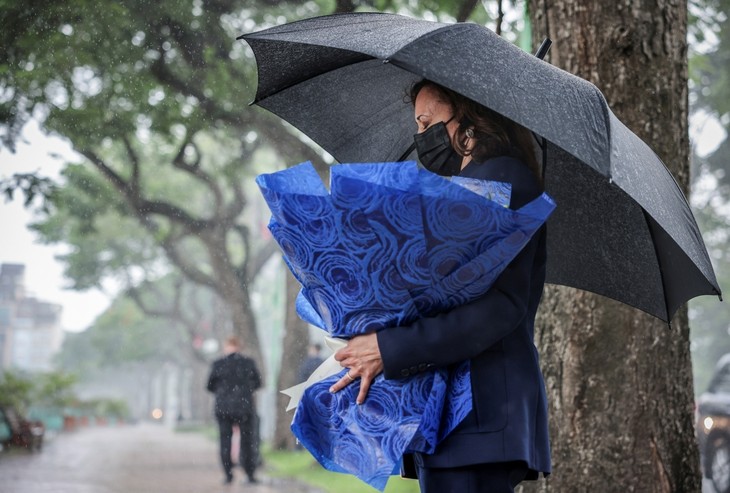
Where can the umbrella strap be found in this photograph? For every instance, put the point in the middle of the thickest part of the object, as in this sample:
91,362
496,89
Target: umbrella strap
544,158
542,142
408,151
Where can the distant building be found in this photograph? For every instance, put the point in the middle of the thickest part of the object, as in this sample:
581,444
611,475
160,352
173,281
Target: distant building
30,329
12,282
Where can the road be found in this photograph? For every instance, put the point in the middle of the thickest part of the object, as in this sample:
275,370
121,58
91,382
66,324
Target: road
143,458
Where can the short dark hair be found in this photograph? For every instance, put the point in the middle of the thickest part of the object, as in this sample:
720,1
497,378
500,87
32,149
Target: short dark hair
234,341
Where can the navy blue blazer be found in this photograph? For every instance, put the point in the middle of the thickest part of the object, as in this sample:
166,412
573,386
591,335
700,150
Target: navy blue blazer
508,421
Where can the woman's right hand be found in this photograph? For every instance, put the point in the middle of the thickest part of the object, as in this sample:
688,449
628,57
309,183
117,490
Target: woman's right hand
362,358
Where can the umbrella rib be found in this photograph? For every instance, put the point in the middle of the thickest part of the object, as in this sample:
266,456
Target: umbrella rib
366,58
280,29
607,123
659,263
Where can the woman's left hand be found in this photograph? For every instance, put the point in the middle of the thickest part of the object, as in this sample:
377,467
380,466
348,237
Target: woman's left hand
362,357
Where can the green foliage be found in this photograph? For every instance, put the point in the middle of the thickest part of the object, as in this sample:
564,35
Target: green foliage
30,185
122,334
125,334
711,319
710,93
89,215
52,389
109,408
108,69
710,62
15,391
302,466
153,97
710,76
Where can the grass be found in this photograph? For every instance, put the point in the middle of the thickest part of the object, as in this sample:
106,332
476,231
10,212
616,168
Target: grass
300,466
209,431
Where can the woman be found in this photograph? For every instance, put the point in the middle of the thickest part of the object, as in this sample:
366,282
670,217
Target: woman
505,437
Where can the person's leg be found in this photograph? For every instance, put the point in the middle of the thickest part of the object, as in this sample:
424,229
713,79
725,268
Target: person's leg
248,455
479,478
225,432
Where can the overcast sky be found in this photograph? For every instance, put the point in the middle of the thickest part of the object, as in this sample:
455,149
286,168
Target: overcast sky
43,273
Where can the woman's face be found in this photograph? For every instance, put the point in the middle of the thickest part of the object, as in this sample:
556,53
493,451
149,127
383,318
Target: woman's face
430,109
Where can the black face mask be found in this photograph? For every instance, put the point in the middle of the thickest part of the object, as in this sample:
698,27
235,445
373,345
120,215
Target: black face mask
436,152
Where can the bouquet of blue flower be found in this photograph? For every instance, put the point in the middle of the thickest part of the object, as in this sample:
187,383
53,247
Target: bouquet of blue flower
387,244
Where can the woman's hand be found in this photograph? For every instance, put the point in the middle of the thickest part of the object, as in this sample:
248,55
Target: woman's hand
362,357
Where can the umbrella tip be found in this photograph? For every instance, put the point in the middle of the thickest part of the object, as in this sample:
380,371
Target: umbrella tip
544,48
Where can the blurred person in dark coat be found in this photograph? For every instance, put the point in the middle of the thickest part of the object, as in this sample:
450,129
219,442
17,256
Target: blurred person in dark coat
233,379
311,363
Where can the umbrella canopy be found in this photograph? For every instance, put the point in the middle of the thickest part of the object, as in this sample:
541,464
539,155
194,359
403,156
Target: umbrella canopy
623,227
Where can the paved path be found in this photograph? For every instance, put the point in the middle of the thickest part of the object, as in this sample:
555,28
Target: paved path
143,458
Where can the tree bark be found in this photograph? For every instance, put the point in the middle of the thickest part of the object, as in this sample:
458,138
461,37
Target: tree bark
619,382
234,292
294,350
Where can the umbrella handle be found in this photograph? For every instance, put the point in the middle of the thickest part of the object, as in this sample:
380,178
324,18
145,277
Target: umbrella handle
544,48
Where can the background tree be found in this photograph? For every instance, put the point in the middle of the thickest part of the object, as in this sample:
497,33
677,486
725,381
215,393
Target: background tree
710,81
138,89
15,391
152,96
141,333
620,381
709,100
125,334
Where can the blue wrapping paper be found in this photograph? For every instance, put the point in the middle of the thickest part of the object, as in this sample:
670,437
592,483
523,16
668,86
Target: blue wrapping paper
389,243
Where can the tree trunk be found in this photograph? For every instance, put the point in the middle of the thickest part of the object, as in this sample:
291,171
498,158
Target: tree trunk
200,405
235,294
296,339
619,382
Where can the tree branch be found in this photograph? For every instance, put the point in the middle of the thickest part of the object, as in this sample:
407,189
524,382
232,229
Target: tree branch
143,208
196,171
174,313
190,271
117,181
466,9
344,6
135,295
134,181
259,259
295,148
242,269
237,204
500,17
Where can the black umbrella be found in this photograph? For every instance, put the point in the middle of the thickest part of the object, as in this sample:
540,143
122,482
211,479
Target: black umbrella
623,227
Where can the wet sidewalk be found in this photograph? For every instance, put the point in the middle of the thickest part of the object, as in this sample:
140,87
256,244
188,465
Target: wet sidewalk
143,458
